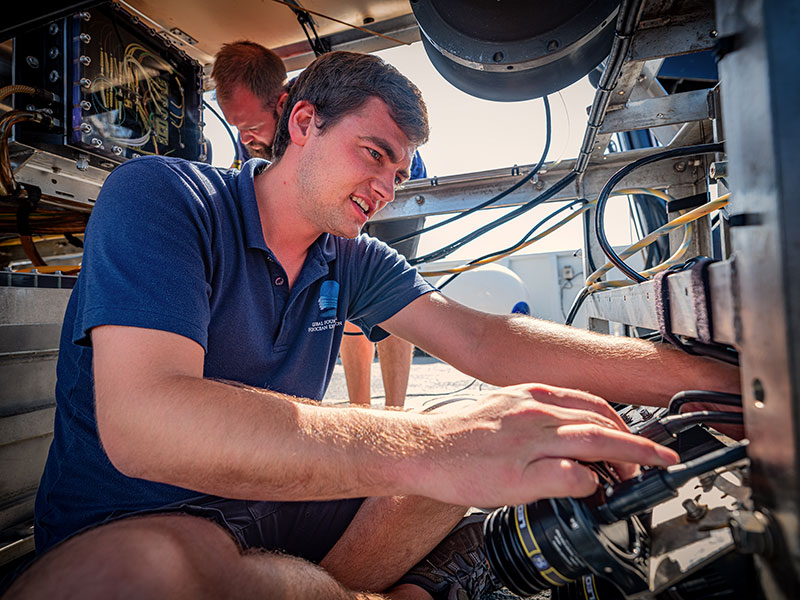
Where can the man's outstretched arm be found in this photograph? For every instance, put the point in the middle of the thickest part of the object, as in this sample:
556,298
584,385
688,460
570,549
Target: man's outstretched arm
159,419
507,350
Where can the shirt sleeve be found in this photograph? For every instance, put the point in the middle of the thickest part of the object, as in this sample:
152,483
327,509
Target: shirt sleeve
147,255
385,284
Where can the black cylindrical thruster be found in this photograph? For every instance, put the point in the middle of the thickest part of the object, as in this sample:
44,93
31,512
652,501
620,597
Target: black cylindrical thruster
512,50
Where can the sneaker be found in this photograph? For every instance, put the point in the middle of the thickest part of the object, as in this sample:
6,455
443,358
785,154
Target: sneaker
457,568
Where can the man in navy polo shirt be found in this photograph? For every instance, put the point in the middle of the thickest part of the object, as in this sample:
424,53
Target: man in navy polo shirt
251,91
203,331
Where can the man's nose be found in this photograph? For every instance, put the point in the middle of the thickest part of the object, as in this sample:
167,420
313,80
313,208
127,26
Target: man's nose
246,137
384,185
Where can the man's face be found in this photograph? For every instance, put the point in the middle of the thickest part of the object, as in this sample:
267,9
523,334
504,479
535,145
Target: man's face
349,171
256,124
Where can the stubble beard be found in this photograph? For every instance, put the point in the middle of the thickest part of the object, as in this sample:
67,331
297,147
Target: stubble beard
312,184
259,151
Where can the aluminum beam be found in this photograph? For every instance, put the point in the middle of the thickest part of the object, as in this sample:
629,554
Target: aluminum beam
635,305
457,193
655,112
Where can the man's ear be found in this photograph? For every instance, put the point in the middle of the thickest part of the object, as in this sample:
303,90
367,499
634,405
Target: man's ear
281,103
301,122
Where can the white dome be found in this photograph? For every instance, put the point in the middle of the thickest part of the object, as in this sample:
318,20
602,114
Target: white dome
490,288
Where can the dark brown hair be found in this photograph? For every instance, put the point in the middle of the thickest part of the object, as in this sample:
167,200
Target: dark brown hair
339,83
251,65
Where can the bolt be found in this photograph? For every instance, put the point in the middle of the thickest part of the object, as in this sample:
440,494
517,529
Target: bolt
85,60
694,511
718,169
621,92
97,143
82,163
552,45
86,105
87,83
135,155
52,29
86,128
419,199
498,57
659,115
54,76
713,33
539,185
33,62
30,107
85,38
85,15
53,52
641,77
679,166
116,150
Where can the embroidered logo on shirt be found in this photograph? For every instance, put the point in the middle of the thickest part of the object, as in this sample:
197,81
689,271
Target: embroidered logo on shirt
328,299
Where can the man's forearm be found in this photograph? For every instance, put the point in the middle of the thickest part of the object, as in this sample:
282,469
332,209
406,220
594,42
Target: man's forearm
619,369
243,442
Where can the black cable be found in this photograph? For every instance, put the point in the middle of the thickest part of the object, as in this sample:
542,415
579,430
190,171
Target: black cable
519,243
449,249
576,305
616,178
236,158
420,395
318,45
664,430
654,486
499,196
705,396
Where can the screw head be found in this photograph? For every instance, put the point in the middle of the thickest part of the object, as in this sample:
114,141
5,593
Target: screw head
33,62
54,76
86,128
679,166
52,29
419,199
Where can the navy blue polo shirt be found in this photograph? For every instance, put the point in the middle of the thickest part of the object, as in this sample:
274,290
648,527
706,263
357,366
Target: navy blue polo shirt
177,246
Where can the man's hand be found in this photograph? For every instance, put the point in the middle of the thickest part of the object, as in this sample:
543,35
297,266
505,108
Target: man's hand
523,443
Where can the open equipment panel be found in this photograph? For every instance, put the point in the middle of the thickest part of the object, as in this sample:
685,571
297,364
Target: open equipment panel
724,524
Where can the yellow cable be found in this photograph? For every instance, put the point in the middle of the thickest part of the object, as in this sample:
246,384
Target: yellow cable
690,216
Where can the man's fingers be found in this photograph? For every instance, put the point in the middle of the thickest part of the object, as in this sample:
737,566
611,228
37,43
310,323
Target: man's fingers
559,478
592,443
577,400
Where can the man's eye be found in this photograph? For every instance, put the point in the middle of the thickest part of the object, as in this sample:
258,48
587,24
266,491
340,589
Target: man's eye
374,153
398,183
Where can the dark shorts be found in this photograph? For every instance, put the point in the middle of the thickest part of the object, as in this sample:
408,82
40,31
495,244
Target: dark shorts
390,230
304,529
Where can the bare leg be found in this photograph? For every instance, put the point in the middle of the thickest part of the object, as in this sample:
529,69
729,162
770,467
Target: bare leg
357,353
178,557
395,357
387,537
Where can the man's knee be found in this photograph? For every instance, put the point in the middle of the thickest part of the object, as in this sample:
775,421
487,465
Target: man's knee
168,556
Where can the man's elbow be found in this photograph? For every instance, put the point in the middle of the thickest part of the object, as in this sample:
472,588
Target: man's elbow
121,442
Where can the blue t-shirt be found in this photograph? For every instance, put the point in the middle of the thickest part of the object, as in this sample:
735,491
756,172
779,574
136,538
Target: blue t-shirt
178,246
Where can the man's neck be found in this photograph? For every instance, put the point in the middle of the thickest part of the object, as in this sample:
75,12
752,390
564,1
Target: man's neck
285,231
